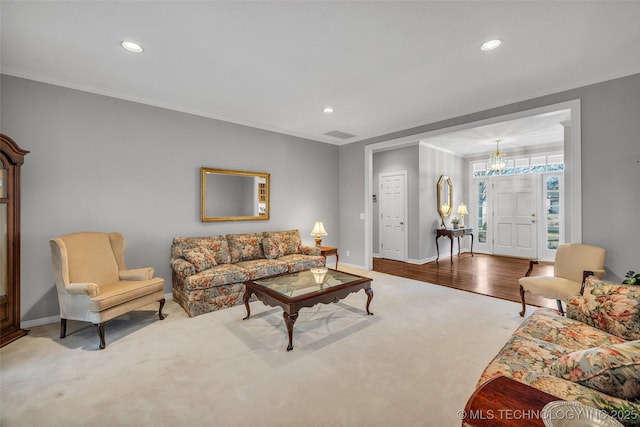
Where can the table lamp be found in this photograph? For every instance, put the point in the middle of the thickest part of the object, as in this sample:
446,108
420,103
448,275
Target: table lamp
318,231
462,211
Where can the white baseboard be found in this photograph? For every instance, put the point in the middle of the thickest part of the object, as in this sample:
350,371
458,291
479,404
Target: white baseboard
39,322
55,319
361,267
417,261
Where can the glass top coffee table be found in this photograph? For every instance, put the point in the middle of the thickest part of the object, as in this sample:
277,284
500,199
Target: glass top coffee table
294,291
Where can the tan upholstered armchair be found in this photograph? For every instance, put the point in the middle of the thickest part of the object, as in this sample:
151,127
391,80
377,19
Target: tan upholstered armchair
572,264
93,283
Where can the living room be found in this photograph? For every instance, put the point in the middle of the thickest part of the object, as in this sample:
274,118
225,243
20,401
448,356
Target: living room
105,160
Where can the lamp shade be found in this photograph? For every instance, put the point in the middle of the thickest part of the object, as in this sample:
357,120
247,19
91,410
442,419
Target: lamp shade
318,229
462,209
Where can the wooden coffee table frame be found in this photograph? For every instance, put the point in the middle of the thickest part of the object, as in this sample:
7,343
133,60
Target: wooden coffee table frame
291,306
505,402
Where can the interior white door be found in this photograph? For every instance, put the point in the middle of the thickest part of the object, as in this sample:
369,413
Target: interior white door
514,216
393,190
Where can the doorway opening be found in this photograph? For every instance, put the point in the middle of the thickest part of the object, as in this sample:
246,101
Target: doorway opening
571,177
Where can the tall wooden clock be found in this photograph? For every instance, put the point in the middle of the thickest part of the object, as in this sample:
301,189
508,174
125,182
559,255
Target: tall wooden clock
11,159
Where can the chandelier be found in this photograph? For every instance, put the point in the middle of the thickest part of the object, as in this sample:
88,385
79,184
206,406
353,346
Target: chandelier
498,159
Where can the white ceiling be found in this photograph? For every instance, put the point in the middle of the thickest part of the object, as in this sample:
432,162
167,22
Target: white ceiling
536,132
383,66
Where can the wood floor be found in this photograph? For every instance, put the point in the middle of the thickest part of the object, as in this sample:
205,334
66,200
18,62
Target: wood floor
495,276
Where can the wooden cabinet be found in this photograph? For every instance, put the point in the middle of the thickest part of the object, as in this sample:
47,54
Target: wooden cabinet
11,159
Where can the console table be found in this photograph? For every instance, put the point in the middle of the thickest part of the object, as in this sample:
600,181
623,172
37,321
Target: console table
504,402
451,233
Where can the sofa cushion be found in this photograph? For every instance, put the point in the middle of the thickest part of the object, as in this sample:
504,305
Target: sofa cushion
547,325
612,307
290,239
613,369
216,244
522,355
121,292
624,410
273,247
245,247
202,258
298,262
259,268
221,274
310,250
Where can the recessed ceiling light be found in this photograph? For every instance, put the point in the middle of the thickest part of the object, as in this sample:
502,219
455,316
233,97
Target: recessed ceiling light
327,110
132,47
491,44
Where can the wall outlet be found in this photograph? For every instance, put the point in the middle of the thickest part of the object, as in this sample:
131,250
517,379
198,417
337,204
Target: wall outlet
347,252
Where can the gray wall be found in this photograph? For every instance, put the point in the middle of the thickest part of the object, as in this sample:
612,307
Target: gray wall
99,163
424,165
404,159
610,170
433,164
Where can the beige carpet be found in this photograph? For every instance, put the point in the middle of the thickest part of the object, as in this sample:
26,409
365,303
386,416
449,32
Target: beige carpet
414,363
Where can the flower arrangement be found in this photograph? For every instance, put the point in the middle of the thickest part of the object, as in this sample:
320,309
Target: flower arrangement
632,278
455,221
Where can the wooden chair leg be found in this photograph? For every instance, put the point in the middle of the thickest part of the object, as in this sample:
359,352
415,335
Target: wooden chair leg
101,335
560,309
63,328
160,315
524,306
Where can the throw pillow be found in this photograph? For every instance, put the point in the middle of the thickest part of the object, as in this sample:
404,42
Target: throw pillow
290,241
245,247
201,258
273,247
612,307
612,369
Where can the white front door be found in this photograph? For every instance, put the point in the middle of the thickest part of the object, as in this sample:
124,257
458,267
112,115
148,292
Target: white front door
514,215
393,190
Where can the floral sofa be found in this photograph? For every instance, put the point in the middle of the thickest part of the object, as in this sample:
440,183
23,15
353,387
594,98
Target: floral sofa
208,272
591,356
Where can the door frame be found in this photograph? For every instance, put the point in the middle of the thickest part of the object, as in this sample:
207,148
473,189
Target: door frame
573,174
405,240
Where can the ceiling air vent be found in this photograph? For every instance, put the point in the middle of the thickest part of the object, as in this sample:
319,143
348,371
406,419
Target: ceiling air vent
339,134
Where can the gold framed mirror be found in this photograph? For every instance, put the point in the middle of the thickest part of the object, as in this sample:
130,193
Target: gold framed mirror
445,198
228,195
